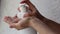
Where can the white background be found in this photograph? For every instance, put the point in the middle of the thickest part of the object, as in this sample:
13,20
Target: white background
48,8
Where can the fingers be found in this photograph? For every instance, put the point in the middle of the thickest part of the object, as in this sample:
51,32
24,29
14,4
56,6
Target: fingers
16,26
31,6
7,19
20,25
12,25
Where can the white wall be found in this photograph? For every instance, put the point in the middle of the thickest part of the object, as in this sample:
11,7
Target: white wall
48,8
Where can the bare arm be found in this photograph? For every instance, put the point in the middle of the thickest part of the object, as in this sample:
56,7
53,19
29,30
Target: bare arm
40,26
51,24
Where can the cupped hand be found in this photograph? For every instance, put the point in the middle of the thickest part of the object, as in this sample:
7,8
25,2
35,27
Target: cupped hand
21,24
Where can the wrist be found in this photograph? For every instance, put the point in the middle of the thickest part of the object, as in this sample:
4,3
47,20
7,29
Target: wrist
33,21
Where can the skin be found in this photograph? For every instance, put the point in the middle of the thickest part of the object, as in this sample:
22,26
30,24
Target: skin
36,21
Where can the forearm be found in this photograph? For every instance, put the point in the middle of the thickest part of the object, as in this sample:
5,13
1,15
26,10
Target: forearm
40,27
52,24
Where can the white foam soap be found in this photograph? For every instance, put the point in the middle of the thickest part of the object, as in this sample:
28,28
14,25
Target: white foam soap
23,9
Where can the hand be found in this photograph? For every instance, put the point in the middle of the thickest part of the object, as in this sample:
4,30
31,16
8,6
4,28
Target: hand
32,8
34,12
21,24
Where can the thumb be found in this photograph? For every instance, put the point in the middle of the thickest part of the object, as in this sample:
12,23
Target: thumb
12,25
